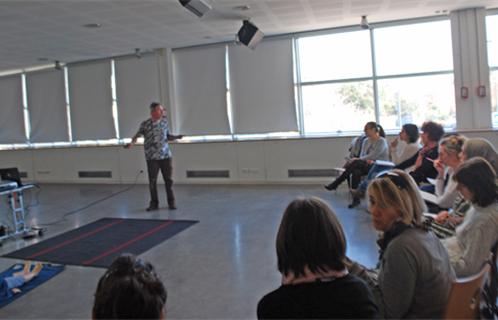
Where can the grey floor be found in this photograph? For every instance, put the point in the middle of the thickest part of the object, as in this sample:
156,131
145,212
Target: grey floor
219,268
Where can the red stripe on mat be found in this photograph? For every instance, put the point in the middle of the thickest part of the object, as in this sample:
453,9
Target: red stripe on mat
127,243
65,243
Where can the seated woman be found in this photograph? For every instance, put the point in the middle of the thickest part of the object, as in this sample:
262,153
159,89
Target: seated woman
470,247
374,148
414,274
398,152
130,289
355,147
445,222
480,147
311,250
450,148
422,161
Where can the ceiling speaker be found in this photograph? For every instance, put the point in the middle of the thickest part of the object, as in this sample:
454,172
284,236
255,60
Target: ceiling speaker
197,7
249,34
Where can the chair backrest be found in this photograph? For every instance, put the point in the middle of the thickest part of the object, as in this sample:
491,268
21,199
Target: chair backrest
489,308
465,295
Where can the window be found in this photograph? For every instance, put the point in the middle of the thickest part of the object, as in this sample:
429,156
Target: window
337,107
415,48
332,71
417,99
492,44
412,78
415,74
335,56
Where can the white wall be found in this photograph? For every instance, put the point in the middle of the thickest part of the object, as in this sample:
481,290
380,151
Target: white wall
247,161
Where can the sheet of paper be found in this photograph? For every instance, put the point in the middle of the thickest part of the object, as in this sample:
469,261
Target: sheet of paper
430,215
384,163
428,197
432,181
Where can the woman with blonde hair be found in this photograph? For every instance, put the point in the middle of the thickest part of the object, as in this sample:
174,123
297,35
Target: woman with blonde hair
450,148
311,250
414,274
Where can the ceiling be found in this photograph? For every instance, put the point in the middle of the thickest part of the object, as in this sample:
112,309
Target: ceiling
34,30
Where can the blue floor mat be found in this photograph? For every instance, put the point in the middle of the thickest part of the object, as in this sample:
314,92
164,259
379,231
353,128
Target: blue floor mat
48,271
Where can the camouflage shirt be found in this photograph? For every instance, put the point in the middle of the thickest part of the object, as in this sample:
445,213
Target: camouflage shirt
155,135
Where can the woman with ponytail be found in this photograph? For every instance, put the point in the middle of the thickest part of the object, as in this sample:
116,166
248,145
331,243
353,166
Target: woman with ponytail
374,147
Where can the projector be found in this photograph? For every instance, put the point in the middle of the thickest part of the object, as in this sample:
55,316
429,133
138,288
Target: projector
197,7
249,35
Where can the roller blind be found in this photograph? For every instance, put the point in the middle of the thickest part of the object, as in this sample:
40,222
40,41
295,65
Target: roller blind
47,106
200,90
11,110
90,100
261,87
137,85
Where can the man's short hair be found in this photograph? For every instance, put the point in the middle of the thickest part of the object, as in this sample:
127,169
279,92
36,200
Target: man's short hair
130,289
310,236
154,105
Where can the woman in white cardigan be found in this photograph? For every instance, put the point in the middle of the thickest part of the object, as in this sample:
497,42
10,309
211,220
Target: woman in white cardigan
470,247
399,152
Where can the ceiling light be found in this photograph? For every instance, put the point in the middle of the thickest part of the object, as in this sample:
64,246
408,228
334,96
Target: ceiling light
249,34
42,59
197,7
92,25
364,23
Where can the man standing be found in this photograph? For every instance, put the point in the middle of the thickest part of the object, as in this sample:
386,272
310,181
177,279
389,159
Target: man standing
157,153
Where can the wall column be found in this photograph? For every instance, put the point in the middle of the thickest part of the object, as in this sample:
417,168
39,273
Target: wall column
470,62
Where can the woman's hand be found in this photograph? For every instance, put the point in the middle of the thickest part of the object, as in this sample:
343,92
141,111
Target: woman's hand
442,216
439,166
454,220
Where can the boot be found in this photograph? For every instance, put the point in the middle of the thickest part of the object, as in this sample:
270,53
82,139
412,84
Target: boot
333,186
356,201
357,196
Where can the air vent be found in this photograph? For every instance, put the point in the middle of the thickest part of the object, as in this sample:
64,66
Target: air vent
95,174
311,173
23,174
208,174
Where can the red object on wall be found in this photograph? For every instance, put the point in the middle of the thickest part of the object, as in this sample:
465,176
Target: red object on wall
481,91
464,92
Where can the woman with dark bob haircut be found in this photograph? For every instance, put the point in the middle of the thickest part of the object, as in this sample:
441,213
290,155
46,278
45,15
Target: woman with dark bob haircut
470,247
130,289
311,249
422,161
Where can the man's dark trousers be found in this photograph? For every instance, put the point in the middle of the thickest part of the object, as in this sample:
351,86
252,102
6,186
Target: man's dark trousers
153,167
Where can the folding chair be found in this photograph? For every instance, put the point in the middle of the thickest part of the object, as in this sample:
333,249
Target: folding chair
465,296
489,308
